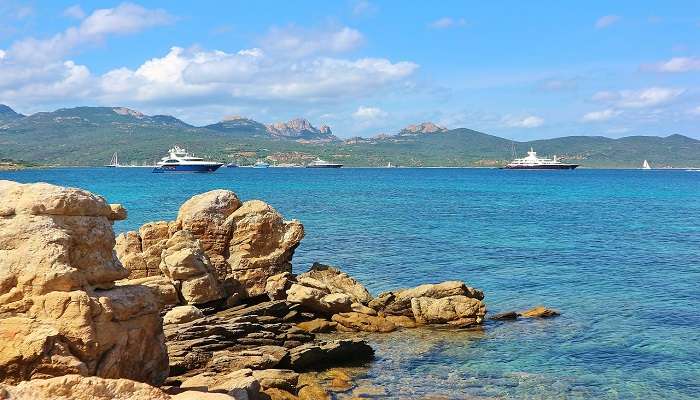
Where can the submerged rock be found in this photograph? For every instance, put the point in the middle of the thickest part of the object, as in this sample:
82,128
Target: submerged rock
539,312
60,312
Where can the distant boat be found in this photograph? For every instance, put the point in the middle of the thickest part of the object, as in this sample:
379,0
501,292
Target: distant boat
645,165
114,162
318,163
534,162
179,160
390,165
261,164
231,165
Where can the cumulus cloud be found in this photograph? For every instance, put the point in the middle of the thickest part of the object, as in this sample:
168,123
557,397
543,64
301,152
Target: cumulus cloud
606,20
649,97
599,116
530,121
676,64
74,11
369,113
296,42
126,18
2,54
447,22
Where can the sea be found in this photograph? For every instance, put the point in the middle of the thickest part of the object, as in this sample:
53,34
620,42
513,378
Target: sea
617,252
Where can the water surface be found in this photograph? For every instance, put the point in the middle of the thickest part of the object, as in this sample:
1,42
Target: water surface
617,251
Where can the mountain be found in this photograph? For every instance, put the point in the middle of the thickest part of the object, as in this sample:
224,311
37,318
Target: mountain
301,129
89,136
7,114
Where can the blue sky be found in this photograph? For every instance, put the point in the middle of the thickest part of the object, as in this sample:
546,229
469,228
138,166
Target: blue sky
516,69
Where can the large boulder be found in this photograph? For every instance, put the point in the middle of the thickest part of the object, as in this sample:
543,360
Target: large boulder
262,245
456,310
399,302
317,299
184,262
60,312
77,387
337,281
363,322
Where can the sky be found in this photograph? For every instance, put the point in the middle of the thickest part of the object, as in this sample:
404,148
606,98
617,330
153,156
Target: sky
520,70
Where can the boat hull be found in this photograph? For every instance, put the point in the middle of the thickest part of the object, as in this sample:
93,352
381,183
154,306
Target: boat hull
325,166
561,166
204,168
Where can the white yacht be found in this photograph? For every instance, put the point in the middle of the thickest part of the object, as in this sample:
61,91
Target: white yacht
645,165
114,162
534,162
261,164
318,163
179,160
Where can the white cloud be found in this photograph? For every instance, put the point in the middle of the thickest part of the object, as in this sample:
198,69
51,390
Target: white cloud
74,11
447,22
606,21
363,7
2,54
369,113
677,64
530,121
649,97
126,18
599,116
295,42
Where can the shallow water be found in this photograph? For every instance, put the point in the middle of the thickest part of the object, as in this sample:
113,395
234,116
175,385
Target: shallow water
617,251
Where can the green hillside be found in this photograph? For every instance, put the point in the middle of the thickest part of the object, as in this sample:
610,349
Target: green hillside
89,136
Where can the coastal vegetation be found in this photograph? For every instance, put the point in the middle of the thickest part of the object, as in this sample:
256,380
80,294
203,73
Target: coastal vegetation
90,135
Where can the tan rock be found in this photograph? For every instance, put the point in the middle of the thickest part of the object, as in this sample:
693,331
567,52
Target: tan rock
161,287
539,312
279,394
311,389
364,322
182,314
276,286
152,233
262,357
318,325
197,395
262,245
56,249
118,212
317,300
402,321
239,384
363,309
76,387
284,379
457,309
399,302
338,282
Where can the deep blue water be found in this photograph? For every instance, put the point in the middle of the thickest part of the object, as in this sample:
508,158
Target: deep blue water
617,251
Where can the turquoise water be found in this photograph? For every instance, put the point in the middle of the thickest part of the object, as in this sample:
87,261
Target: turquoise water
618,252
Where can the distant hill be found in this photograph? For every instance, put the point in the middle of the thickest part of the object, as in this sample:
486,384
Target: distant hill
89,136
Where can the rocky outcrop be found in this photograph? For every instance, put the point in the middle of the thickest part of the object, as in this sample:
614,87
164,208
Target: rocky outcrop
245,243
77,387
363,322
399,302
183,261
455,310
182,314
60,311
422,128
336,281
318,355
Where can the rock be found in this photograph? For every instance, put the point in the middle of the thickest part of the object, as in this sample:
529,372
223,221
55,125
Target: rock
142,259
311,389
401,321
340,382
206,216
197,395
362,309
505,316
539,312
60,311
262,357
161,287
459,310
184,262
181,314
77,387
284,379
262,245
277,285
118,212
240,384
364,322
399,302
317,325
279,394
368,391
316,356
338,282
318,300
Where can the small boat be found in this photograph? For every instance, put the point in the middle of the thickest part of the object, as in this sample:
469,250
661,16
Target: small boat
390,165
179,160
261,164
645,165
318,163
231,165
534,162
114,162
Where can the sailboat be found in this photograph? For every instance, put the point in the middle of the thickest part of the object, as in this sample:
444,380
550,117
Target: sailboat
114,162
645,165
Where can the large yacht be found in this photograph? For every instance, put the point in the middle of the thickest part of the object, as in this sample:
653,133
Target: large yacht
179,160
318,163
534,162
